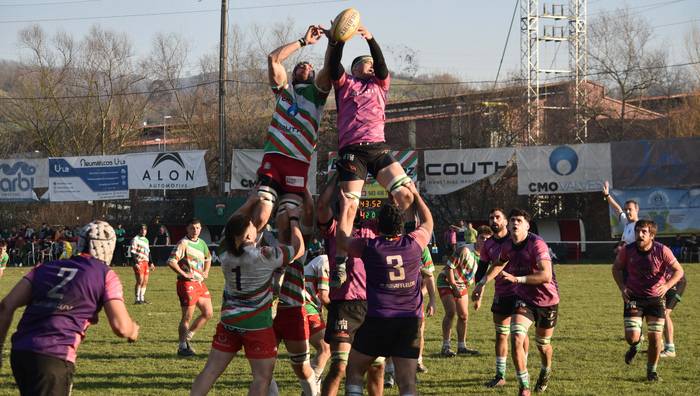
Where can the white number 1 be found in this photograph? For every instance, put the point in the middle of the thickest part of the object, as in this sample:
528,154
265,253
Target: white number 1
67,274
398,274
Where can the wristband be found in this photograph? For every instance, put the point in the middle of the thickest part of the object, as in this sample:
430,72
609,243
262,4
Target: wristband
302,42
521,279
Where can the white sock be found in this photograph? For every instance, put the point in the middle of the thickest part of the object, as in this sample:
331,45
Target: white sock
138,293
274,390
445,343
142,293
183,345
389,367
308,386
461,344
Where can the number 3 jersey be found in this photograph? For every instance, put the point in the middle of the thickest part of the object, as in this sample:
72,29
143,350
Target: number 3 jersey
247,298
67,295
393,268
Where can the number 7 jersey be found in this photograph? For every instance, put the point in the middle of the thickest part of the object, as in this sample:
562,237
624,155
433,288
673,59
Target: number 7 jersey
247,298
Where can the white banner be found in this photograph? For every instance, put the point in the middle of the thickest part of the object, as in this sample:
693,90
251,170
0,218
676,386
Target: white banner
171,170
19,178
88,178
563,169
245,165
447,171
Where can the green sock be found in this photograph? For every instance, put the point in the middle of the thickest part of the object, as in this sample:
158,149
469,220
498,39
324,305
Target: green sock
523,379
651,368
501,366
670,347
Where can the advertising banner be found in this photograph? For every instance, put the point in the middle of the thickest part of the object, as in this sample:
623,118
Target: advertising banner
93,178
173,170
564,169
675,211
670,163
19,178
447,171
372,189
245,165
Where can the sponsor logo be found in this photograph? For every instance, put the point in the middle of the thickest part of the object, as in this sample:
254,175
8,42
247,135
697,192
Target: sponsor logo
168,171
174,157
17,182
464,168
563,160
294,181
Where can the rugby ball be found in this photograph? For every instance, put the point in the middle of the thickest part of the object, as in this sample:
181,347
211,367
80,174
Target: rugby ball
345,25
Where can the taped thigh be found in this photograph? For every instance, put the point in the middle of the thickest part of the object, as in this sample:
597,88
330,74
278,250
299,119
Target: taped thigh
633,323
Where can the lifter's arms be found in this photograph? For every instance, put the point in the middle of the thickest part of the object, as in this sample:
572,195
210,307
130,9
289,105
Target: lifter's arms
19,296
323,78
424,215
324,212
334,53
379,64
275,69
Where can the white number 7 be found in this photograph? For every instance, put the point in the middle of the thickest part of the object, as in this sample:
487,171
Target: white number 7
398,274
67,274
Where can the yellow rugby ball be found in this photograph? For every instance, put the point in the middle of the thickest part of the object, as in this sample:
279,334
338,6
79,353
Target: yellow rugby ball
345,25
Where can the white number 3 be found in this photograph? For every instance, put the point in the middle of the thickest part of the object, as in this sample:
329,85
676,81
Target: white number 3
67,274
398,273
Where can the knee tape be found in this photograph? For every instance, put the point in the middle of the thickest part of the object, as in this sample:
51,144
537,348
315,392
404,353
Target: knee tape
633,324
299,359
354,195
502,329
267,195
288,203
399,181
656,327
543,341
379,361
340,357
519,328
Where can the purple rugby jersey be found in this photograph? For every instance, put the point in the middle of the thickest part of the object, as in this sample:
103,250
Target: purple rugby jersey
646,270
490,253
393,268
67,296
522,261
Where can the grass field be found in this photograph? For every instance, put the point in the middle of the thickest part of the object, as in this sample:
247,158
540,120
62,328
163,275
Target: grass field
588,346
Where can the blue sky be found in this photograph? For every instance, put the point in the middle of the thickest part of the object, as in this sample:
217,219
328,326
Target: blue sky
462,37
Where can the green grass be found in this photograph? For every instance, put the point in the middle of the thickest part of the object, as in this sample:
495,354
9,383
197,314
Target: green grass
588,346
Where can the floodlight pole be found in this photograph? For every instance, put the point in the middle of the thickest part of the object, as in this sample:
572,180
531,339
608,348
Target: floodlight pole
222,96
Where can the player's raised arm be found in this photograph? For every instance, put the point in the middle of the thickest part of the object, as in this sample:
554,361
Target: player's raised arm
275,69
344,223
611,201
423,212
292,215
379,64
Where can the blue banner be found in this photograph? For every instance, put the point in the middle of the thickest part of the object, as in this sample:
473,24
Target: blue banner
675,211
88,178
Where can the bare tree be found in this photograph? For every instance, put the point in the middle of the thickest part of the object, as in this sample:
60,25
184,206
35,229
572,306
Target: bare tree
620,54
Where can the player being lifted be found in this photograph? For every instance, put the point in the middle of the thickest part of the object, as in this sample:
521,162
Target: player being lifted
293,132
246,310
361,99
530,265
645,264
393,264
143,266
504,297
191,260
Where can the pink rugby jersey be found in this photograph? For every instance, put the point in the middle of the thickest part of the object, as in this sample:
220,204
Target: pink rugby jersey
645,270
490,253
523,259
361,105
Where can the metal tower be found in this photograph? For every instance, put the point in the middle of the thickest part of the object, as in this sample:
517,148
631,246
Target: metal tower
543,32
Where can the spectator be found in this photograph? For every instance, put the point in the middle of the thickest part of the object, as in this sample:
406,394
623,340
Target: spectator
119,256
162,238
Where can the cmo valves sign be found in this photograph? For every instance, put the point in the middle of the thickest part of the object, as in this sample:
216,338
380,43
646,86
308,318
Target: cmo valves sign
563,169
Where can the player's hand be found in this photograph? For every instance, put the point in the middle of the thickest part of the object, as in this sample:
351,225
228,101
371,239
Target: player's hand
477,302
205,274
134,333
662,289
456,292
478,290
313,34
153,267
625,295
431,308
362,31
606,188
510,278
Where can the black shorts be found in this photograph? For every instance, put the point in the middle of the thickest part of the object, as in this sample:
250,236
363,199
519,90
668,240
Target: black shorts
503,305
639,307
344,318
388,337
674,294
37,374
543,317
356,160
